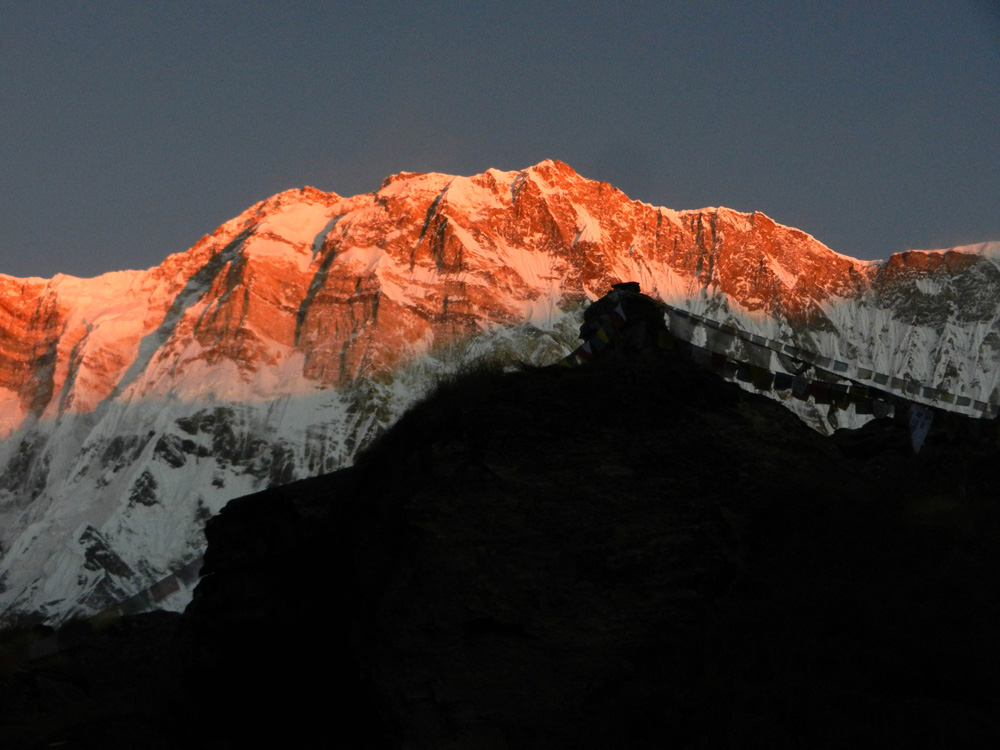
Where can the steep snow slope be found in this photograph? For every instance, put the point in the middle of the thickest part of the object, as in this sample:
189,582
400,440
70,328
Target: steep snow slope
135,404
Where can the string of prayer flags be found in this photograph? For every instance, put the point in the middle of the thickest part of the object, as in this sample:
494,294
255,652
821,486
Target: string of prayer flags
162,589
757,349
600,339
763,364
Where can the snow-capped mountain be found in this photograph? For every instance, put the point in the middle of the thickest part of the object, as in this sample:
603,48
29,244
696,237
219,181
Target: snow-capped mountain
135,404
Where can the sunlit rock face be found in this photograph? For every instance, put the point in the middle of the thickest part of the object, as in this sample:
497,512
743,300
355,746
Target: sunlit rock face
135,404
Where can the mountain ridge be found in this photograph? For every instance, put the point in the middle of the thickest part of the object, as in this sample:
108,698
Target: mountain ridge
280,344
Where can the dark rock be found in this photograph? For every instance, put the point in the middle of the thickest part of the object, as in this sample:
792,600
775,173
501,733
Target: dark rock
100,556
144,490
27,469
171,449
122,451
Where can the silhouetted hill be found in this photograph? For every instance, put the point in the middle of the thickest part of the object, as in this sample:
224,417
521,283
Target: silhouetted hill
632,554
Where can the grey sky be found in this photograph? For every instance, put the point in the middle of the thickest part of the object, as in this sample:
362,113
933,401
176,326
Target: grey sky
129,130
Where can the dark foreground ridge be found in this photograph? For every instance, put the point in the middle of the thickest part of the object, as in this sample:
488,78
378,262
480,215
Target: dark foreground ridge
625,555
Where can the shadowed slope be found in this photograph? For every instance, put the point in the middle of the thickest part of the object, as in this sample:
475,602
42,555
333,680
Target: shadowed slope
632,555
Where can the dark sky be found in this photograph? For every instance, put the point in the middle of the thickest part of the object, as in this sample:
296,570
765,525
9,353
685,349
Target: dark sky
128,130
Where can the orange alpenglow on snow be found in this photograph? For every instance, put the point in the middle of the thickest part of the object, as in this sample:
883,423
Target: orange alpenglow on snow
285,341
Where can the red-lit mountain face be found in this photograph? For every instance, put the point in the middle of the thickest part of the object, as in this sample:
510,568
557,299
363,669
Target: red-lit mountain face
134,404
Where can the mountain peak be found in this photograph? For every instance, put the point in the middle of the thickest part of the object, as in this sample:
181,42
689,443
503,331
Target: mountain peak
292,335
553,166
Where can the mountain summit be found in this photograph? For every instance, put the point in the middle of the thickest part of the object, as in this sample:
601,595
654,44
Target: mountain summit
135,404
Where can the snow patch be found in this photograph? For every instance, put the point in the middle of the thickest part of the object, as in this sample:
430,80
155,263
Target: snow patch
414,183
588,228
474,198
929,285
785,276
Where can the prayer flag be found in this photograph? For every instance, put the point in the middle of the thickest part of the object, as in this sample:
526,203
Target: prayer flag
681,327
191,572
820,392
568,361
134,605
762,379
800,388
760,356
881,409
162,589
920,425
838,395
782,381
718,341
